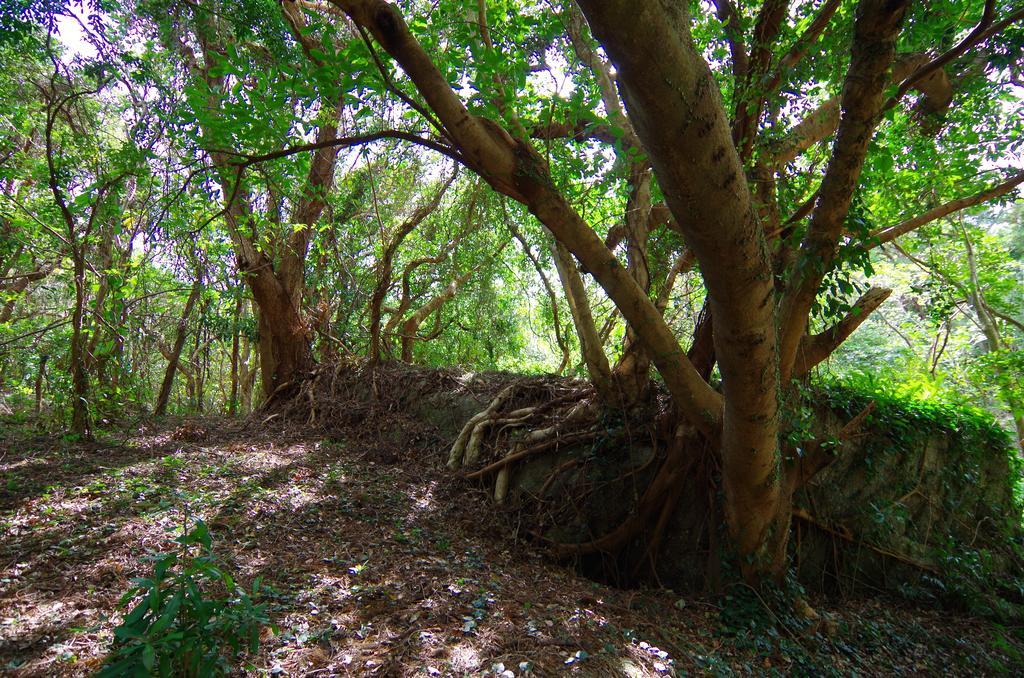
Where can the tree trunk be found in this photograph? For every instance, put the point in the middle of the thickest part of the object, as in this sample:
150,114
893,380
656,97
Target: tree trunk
632,373
283,344
385,267
199,369
19,285
563,345
411,326
675,107
235,331
80,423
277,292
247,372
40,376
993,336
179,343
591,345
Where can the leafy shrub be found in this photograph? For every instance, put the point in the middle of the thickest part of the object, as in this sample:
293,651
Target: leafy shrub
191,617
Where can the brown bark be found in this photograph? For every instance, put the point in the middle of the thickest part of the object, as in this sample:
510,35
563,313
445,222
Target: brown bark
277,289
632,372
751,93
411,325
925,70
514,169
283,340
247,373
815,349
15,286
630,377
823,121
702,350
676,112
40,377
591,345
80,421
892,232
74,239
179,344
733,27
679,116
874,50
684,262
385,266
235,332
406,301
801,46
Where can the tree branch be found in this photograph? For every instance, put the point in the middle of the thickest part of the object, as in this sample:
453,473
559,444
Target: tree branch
732,24
801,46
973,38
517,170
815,349
892,232
874,49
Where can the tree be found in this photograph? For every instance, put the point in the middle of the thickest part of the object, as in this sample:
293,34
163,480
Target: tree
763,273
761,156
272,258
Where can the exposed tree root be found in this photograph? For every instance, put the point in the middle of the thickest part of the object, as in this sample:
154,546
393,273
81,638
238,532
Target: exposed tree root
618,486
466,450
515,456
562,468
655,498
514,428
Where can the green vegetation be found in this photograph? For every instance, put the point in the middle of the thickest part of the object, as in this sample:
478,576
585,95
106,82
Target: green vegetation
746,277
180,624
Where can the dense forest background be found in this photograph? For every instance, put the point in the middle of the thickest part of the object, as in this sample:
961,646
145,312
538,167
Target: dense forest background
123,124
203,203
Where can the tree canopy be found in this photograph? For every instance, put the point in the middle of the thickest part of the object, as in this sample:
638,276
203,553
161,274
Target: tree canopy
202,201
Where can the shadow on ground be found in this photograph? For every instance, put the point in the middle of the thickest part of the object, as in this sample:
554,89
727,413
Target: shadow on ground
379,569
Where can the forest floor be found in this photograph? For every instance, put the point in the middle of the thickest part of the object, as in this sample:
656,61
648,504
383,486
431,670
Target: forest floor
383,564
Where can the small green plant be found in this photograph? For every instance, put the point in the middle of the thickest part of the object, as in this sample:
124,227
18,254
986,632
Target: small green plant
190,617
172,463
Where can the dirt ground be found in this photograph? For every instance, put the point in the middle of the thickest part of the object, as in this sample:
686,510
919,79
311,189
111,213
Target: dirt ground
384,564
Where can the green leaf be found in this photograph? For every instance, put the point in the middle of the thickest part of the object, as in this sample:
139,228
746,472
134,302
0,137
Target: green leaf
169,613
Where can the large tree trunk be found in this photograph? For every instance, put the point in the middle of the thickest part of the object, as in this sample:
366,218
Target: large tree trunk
283,342
277,289
591,346
676,111
179,344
